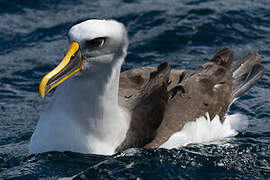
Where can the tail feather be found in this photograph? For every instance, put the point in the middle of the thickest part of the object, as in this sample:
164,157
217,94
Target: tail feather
246,72
250,58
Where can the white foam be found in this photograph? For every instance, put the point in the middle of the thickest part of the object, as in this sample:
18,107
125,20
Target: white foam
204,131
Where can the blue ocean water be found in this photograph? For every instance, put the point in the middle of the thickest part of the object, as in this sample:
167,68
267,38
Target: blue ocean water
33,39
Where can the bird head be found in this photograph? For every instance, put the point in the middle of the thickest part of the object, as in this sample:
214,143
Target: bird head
92,42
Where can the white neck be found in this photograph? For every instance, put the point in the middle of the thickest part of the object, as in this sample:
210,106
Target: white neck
84,115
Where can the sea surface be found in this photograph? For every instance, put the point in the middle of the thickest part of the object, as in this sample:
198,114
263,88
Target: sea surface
185,33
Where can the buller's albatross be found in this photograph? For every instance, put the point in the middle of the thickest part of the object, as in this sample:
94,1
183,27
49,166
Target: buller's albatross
98,110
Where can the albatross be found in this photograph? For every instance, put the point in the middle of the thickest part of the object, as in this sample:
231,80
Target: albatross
96,109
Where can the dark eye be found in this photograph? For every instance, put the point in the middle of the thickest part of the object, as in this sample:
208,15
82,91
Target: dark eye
97,42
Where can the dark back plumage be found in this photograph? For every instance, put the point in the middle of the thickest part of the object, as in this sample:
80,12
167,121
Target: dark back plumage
161,101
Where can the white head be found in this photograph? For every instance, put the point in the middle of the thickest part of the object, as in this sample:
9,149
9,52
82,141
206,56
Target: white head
100,40
93,43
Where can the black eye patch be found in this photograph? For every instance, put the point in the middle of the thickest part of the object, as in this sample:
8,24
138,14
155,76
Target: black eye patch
95,43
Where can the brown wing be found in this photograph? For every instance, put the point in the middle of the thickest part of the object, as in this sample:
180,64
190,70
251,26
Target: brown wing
207,90
160,108
143,92
211,89
132,81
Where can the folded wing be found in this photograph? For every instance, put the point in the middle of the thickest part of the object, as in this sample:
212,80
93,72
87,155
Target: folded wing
161,101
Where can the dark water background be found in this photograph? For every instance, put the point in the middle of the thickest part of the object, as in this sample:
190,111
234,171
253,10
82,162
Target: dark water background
33,39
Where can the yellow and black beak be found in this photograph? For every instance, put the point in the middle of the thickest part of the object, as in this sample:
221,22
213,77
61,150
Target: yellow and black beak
70,65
